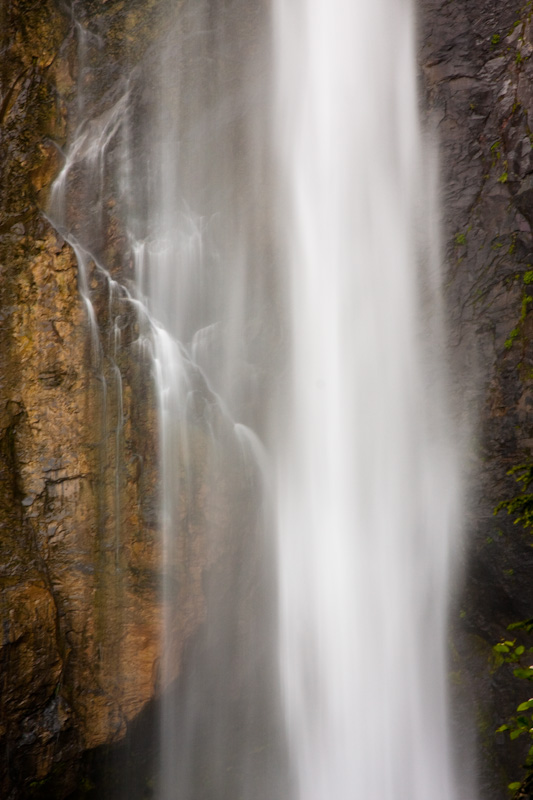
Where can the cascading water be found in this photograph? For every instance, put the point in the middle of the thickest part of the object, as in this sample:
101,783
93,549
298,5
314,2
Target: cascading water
284,253
367,479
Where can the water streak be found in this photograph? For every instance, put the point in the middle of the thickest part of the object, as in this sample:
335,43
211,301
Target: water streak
303,301
367,478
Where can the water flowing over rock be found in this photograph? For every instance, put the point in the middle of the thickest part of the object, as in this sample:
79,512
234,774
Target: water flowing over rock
158,319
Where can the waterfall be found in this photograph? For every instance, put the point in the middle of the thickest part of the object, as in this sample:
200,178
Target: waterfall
278,206
367,478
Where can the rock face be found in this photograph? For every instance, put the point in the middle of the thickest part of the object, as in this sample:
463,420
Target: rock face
477,72
81,606
79,572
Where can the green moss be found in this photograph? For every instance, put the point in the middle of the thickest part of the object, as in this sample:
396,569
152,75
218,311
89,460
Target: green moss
511,338
512,246
456,677
508,572
526,300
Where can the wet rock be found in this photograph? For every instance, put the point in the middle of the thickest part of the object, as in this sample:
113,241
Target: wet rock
80,630
523,197
482,116
81,560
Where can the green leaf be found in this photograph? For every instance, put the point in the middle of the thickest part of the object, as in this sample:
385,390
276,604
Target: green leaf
502,728
525,624
516,733
519,650
514,786
526,705
501,648
527,673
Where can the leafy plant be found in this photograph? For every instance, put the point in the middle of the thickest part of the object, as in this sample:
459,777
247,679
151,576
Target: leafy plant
521,504
508,651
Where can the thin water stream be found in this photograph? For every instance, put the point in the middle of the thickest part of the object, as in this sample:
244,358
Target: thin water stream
278,199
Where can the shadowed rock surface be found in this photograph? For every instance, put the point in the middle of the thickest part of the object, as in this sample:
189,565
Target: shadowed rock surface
477,73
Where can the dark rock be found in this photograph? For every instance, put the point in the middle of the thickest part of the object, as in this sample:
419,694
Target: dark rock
475,59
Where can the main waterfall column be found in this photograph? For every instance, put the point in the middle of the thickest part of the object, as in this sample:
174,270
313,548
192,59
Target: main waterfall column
367,476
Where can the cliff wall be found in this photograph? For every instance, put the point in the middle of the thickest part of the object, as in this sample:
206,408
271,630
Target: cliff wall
477,72
80,564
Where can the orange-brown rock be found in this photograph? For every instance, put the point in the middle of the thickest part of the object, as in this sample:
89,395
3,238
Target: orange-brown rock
80,558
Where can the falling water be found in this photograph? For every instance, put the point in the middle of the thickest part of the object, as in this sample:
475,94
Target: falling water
280,218
367,490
